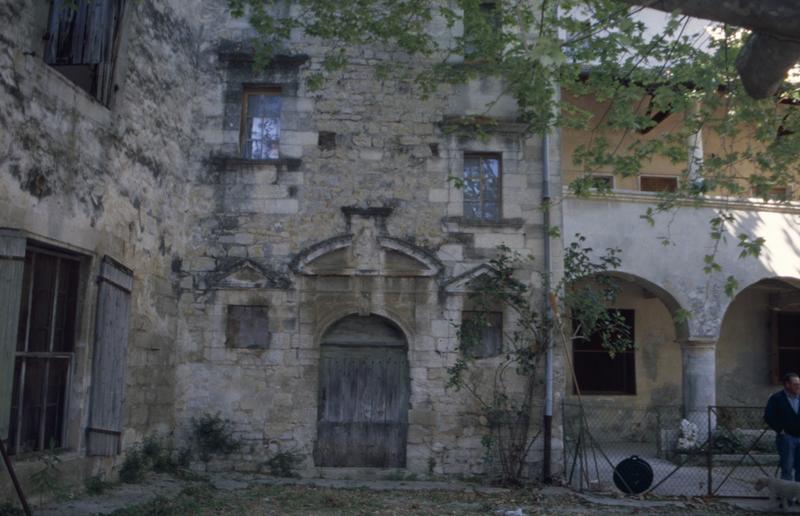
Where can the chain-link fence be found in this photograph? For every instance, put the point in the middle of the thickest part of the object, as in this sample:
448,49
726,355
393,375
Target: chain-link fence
741,450
682,459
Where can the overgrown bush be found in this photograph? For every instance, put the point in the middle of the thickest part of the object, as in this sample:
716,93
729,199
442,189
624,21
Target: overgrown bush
285,463
8,509
211,434
97,484
48,479
153,454
134,466
504,392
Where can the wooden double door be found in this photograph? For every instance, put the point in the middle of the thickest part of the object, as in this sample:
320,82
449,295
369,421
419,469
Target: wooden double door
363,395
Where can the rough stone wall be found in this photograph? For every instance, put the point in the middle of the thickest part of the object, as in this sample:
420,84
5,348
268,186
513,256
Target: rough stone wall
360,141
156,182
101,180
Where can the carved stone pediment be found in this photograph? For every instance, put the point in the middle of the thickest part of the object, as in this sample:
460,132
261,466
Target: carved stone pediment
246,274
465,281
366,250
365,254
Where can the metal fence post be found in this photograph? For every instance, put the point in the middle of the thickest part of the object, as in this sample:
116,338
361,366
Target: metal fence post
709,453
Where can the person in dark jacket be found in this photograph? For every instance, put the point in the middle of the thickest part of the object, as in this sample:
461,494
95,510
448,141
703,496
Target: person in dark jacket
783,415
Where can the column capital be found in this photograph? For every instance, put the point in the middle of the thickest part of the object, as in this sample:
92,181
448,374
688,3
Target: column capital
699,343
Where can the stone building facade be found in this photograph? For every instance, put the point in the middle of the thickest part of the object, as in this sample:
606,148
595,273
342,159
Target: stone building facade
236,243
237,273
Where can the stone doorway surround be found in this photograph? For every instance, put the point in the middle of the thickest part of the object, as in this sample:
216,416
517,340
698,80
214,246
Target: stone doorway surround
364,299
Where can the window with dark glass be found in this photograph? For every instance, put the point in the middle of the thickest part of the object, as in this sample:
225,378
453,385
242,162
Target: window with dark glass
45,345
481,333
785,333
82,40
658,183
596,371
482,187
261,123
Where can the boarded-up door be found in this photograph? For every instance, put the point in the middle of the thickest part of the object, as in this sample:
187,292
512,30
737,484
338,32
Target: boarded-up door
110,353
363,395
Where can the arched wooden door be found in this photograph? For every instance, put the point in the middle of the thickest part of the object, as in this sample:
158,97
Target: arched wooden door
363,395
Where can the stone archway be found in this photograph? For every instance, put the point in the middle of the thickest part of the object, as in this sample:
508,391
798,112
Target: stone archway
362,418
757,341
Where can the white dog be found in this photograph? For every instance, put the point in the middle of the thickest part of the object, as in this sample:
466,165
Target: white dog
782,491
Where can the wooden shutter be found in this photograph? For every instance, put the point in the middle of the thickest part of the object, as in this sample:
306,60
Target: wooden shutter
80,32
658,183
110,353
12,262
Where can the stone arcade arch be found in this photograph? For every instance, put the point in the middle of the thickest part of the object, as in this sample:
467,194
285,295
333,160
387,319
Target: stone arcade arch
363,394
673,373
756,341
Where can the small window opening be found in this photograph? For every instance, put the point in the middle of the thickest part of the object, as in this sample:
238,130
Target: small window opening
261,123
658,183
482,175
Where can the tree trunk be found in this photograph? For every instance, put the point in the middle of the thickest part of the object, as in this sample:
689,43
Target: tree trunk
769,53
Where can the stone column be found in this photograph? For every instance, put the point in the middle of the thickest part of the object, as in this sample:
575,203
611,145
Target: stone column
699,382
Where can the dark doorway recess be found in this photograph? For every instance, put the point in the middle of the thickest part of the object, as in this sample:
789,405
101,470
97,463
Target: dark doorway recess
363,395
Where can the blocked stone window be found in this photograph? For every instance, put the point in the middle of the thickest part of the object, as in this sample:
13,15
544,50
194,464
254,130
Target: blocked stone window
658,183
596,371
481,189
261,122
82,40
44,350
481,333
247,327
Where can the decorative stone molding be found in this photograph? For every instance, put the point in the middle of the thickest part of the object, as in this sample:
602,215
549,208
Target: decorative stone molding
460,283
366,250
247,274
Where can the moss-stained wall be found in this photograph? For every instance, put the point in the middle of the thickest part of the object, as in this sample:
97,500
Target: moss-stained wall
155,180
99,180
362,141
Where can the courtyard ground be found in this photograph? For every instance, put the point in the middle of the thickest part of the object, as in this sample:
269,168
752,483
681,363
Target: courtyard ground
237,494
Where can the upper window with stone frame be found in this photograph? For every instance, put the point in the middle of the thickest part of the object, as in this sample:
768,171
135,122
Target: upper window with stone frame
261,122
81,42
482,175
483,32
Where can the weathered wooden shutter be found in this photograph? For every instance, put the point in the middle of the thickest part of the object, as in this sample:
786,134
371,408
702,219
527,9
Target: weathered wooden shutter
12,262
80,32
110,352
